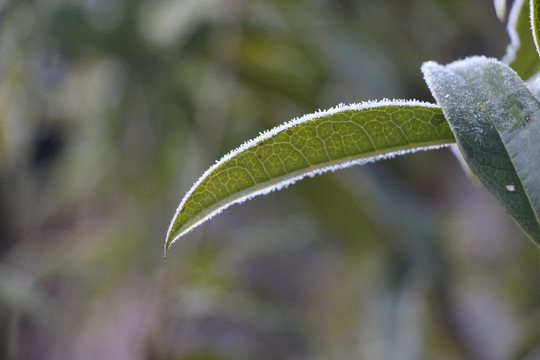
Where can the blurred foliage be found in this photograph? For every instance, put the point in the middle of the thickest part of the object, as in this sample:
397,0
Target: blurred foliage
110,109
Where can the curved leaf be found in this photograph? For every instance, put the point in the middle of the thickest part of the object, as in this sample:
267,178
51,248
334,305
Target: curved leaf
316,143
521,53
535,23
496,121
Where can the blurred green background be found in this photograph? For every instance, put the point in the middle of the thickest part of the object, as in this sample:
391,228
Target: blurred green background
111,109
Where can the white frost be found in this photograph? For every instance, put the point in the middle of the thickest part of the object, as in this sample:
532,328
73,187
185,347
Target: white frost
533,26
286,180
510,187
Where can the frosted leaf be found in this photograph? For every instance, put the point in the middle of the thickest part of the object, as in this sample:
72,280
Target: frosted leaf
487,95
535,23
521,53
328,140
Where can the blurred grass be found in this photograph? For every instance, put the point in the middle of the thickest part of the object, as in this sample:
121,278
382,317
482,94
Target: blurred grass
110,110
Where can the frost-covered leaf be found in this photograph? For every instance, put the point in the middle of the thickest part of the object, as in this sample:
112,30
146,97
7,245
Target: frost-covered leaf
535,23
521,53
496,121
316,143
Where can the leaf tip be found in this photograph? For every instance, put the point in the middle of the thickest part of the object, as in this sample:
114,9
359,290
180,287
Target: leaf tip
166,247
428,67
172,236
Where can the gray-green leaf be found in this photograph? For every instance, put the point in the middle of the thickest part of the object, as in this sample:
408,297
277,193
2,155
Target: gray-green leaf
496,121
313,144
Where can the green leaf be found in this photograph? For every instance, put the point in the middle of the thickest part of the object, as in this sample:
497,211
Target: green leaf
496,121
521,54
535,23
316,143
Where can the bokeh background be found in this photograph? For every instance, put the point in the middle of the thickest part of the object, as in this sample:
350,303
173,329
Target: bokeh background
111,109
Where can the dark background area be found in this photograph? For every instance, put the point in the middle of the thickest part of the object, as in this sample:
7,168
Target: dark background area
111,109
